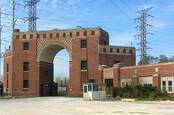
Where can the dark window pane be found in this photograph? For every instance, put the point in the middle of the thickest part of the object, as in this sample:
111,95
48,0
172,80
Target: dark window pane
85,89
170,83
17,36
51,35
118,50
25,66
109,82
83,43
93,33
111,50
85,33
57,35
25,46
64,34
70,34
164,83
38,36
77,34
89,87
130,51
84,65
104,49
44,36
24,36
124,50
25,84
31,36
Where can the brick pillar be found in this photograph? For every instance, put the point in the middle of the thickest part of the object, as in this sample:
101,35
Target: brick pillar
156,81
116,76
100,78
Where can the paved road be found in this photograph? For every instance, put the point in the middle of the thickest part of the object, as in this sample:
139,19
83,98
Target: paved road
76,106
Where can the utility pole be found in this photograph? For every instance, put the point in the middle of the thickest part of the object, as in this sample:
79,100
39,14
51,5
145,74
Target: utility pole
32,15
13,17
0,37
142,35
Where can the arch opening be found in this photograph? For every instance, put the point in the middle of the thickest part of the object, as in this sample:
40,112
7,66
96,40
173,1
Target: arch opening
53,75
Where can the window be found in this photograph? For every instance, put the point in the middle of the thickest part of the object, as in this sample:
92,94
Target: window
83,43
24,36
117,61
25,66
111,50
169,86
104,49
7,67
51,35
25,84
57,35
105,43
130,51
44,35
85,33
31,36
25,46
118,50
89,87
84,65
163,85
77,34
109,82
85,89
17,36
38,36
93,33
70,34
124,51
64,34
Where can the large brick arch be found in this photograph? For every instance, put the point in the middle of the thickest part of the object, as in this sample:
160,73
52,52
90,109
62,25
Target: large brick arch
48,48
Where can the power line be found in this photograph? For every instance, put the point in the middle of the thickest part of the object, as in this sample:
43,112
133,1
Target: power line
120,10
142,27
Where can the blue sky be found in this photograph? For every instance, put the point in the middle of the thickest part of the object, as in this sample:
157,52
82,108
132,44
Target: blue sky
114,16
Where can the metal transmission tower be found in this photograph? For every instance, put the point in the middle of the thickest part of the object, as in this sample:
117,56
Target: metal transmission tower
32,14
142,27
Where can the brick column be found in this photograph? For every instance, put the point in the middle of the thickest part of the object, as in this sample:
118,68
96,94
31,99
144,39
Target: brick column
156,81
116,76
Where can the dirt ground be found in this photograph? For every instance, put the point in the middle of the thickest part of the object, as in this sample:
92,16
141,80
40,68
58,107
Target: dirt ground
76,106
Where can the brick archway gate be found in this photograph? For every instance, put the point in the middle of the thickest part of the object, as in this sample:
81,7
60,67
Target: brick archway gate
46,51
29,64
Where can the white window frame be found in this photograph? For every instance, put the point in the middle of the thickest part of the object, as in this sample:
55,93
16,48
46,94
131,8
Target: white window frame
167,87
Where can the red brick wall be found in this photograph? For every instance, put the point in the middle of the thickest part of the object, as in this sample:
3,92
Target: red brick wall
110,59
19,56
7,74
156,71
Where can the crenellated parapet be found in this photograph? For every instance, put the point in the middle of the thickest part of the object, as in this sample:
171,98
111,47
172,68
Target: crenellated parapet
120,50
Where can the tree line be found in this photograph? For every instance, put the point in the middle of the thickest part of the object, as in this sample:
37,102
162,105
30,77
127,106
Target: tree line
157,59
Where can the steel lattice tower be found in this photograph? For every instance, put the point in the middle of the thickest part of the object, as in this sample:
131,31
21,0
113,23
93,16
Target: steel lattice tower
142,27
32,15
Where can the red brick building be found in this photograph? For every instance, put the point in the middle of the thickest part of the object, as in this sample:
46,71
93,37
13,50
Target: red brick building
28,66
160,76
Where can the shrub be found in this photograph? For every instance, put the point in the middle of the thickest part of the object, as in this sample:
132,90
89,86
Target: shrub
146,92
